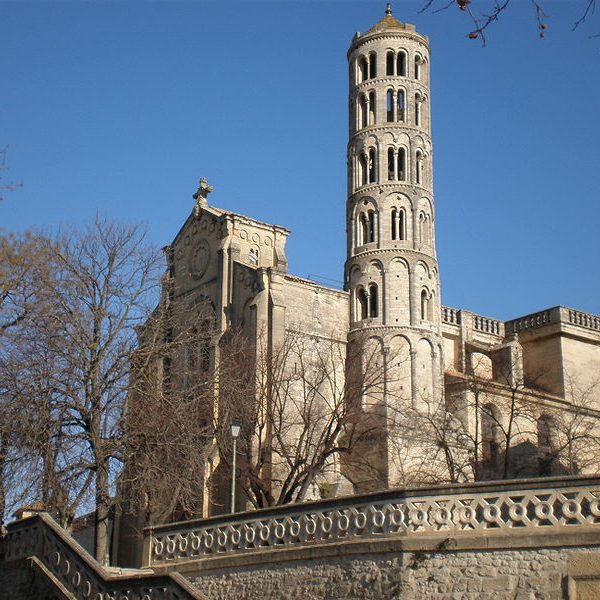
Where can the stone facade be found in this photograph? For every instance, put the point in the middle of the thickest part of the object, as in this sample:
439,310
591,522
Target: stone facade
483,385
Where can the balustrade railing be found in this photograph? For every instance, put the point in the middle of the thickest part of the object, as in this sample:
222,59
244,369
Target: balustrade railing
486,325
526,506
451,315
584,319
42,540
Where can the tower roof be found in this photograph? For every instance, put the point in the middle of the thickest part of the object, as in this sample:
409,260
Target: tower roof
388,22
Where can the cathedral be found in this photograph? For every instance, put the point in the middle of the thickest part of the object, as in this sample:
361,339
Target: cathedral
378,384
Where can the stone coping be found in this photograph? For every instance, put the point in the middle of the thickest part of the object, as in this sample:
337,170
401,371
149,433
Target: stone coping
508,512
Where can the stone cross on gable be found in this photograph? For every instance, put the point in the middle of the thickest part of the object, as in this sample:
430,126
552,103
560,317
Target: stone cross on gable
201,193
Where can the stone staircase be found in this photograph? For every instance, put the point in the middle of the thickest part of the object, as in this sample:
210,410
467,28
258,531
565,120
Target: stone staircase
39,560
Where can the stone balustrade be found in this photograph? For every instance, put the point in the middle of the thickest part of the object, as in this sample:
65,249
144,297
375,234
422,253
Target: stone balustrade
487,325
524,506
451,315
57,556
558,314
582,319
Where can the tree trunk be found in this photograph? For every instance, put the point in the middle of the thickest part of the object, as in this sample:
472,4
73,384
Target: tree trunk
102,513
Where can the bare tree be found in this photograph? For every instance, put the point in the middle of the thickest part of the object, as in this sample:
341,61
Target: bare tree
483,14
71,363
301,411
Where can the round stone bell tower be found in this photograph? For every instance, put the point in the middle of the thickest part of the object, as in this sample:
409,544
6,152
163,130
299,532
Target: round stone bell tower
391,271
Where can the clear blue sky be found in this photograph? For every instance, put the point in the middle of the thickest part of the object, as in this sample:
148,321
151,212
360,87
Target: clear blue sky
120,107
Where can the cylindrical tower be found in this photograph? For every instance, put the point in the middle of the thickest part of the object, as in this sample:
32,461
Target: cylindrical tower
391,271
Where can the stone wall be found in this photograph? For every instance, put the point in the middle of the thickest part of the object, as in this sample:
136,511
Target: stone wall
520,574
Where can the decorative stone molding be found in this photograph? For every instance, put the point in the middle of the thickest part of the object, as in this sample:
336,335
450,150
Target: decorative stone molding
523,507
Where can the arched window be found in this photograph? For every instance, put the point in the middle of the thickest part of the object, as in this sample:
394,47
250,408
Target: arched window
424,229
401,106
401,164
372,108
389,101
398,224
391,164
362,111
418,61
363,162
363,229
362,308
401,64
419,167
363,69
372,166
401,224
373,300
424,304
371,227
372,65
418,101
389,63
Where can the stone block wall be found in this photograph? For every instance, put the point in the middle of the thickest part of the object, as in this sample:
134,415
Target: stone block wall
519,574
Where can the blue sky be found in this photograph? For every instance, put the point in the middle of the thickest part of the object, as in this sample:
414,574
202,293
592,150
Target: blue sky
120,107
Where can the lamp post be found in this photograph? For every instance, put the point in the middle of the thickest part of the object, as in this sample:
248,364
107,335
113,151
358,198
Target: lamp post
235,432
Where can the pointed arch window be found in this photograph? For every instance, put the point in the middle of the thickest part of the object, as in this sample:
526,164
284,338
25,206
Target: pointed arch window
401,64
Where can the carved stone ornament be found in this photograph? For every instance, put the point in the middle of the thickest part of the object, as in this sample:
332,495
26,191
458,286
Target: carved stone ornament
199,259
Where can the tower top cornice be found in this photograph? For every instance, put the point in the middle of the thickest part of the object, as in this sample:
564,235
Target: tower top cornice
387,26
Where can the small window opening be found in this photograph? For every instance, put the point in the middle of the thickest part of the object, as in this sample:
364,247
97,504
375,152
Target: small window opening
363,229
363,303
372,166
372,108
373,308
394,224
391,165
364,161
401,164
363,69
419,167
390,106
401,64
389,63
401,106
418,61
370,226
418,101
424,304
372,65
363,111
